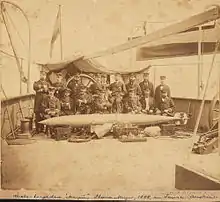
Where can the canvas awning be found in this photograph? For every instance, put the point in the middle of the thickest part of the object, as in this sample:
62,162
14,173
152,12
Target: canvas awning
78,63
183,44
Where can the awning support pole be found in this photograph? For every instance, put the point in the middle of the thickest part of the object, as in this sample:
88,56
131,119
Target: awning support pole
199,61
21,76
206,88
219,114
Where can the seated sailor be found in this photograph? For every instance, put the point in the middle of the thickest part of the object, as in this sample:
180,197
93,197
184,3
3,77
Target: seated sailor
147,102
83,101
100,102
51,104
131,102
166,105
66,103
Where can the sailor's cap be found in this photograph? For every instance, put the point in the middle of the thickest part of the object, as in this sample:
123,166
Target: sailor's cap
43,71
146,73
51,89
163,90
162,77
59,74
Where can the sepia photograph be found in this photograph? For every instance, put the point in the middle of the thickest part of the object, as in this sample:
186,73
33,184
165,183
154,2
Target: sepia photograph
114,100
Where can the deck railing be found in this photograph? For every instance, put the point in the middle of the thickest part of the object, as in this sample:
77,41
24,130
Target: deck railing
15,108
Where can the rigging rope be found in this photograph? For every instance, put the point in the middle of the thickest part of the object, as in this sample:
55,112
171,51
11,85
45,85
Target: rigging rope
3,9
9,17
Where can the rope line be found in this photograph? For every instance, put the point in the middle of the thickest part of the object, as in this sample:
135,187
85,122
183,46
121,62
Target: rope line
13,24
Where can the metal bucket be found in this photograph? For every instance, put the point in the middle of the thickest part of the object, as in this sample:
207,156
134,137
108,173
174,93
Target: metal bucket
25,125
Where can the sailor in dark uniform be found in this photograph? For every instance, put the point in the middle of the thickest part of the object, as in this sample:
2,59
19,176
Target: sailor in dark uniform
131,102
166,106
83,101
75,87
162,86
118,90
51,104
146,84
51,108
132,84
59,85
41,89
66,102
96,86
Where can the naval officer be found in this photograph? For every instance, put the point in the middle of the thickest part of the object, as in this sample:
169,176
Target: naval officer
158,91
41,88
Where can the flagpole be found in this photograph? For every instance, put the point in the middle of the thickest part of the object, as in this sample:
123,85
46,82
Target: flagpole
61,38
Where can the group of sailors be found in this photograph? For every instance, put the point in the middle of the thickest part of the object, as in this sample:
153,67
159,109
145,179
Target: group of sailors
100,97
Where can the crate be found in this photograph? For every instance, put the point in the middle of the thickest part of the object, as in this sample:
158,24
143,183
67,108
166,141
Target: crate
167,129
62,133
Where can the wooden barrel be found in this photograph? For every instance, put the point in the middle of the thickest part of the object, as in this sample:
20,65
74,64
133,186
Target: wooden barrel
25,125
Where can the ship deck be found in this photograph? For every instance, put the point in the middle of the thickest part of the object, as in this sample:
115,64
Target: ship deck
105,164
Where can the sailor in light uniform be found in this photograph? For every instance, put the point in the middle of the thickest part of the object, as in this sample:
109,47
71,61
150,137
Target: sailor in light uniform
147,102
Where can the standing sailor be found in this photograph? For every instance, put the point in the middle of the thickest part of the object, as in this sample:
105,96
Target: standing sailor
59,85
158,90
41,88
146,84
118,90
96,86
132,84
75,87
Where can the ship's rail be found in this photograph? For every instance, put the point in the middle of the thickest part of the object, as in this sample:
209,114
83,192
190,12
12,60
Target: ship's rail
26,103
13,110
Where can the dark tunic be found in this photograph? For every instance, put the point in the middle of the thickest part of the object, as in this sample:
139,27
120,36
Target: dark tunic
51,106
76,88
96,88
135,86
158,93
166,104
83,103
66,105
132,104
60,86
117,88
41,89
144,85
